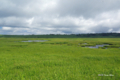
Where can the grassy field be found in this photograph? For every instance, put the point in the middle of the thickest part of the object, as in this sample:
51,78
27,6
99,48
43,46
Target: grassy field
59,59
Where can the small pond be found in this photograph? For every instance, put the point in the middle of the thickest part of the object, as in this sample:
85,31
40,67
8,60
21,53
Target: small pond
82,43
35,41
85,43
97,46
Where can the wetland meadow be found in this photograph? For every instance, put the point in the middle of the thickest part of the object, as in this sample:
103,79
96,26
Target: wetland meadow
59,59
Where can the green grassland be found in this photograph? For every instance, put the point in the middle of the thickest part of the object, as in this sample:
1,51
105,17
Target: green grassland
59,59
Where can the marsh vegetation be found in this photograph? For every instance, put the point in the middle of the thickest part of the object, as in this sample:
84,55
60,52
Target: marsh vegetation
59,59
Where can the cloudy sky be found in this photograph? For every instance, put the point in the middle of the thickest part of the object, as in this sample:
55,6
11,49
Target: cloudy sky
59,16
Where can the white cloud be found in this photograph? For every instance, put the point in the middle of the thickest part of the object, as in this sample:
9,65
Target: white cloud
6,28
29,21
109,19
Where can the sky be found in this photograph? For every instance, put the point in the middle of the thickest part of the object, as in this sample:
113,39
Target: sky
24,17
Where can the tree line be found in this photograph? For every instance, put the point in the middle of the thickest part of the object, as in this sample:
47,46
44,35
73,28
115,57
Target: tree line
88,35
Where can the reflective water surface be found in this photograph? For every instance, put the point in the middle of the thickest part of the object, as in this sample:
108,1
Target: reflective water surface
97,46
35,41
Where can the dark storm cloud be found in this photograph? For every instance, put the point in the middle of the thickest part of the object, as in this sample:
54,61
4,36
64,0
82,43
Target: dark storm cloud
59,16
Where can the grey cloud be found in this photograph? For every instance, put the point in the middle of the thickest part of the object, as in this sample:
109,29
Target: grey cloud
59,16
100,29
13,22
86,8
104,29
21,8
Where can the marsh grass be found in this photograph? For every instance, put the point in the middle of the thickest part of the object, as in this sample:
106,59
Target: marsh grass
59,59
